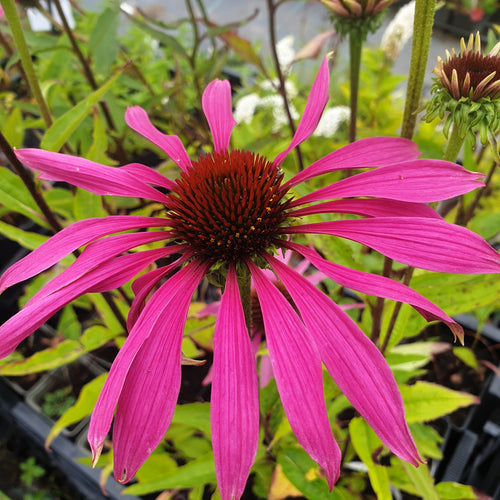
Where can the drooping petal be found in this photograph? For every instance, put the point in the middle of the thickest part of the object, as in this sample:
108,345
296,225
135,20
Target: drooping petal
420,181
234,403
151,386
98,252
432,244
138,120
316,102
354,362
297,368
370,152
216,103
369,207
144,285
379,286
105,277
87,174
177,286
69,239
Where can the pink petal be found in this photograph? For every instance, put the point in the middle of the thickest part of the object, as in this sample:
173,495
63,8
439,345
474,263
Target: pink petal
431,244
87,174
144,285
149,175
354,362
216,103
297,367
369,207
105,277
69,239
417,181
370,152
234,408
138,120
318,97
379,286
97,253
161,318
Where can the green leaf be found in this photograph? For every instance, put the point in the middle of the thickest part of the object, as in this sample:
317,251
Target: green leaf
65,125
467,356
82,408
366,443
26,239
87,205
424,401
13,128
457,293
103,42
62,354
455,491
422,480
15,196
68,324
303,473
195,414
195,473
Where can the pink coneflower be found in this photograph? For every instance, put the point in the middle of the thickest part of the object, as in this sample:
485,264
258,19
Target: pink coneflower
228,214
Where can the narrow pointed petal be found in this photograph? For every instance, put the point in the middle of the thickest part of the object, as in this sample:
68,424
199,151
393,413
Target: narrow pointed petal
420,181
103,278
157,307
87,174
369,207
151,387
432,244
379,286
69,239
315,105
234,407
216,103
370,152
354,362
297,368
99,252
138,120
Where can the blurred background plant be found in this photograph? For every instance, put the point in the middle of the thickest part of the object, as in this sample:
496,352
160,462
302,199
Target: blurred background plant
118,56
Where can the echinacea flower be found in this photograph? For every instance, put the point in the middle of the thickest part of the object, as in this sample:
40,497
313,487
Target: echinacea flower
467,90
229,212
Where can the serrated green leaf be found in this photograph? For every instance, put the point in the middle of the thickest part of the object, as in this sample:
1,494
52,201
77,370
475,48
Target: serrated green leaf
366,442
61,130
81,409
195,473
26,239
425,401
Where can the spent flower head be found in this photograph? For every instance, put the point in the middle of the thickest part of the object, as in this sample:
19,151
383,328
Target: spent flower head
467,90
228,214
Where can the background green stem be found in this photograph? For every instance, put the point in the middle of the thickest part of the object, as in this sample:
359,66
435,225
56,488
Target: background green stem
355,46
454,145
16,29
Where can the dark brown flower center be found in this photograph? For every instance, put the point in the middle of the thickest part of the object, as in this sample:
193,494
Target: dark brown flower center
228,206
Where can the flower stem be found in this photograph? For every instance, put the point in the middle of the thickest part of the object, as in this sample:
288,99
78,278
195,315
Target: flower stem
25,56
355,46
422,32
281,89
454,145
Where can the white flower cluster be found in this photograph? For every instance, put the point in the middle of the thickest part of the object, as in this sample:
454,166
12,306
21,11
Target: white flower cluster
399,31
